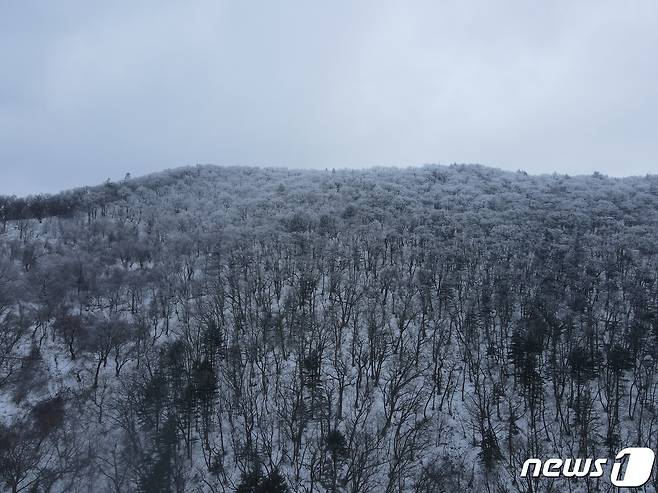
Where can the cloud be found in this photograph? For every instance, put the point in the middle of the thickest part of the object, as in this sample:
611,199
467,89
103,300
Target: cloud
92,92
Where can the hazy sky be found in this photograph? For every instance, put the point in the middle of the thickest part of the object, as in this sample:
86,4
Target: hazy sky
91,90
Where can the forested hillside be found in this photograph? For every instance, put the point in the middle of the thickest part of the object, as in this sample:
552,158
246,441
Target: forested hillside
217,329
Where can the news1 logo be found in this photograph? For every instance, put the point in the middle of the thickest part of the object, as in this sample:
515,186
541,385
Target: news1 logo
639,464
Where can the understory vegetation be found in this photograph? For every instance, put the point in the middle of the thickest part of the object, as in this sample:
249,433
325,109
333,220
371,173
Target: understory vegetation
223,329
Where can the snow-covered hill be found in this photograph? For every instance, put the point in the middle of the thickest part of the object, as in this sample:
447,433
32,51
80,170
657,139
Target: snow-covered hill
386,330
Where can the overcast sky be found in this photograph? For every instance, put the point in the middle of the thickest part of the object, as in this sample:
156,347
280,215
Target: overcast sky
91,90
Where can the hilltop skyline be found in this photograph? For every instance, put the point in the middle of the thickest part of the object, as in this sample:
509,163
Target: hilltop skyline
94,91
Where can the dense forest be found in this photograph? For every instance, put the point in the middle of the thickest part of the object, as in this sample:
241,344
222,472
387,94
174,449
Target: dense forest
227,329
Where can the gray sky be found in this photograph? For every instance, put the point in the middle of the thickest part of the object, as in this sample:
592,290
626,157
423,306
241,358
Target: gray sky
89,92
